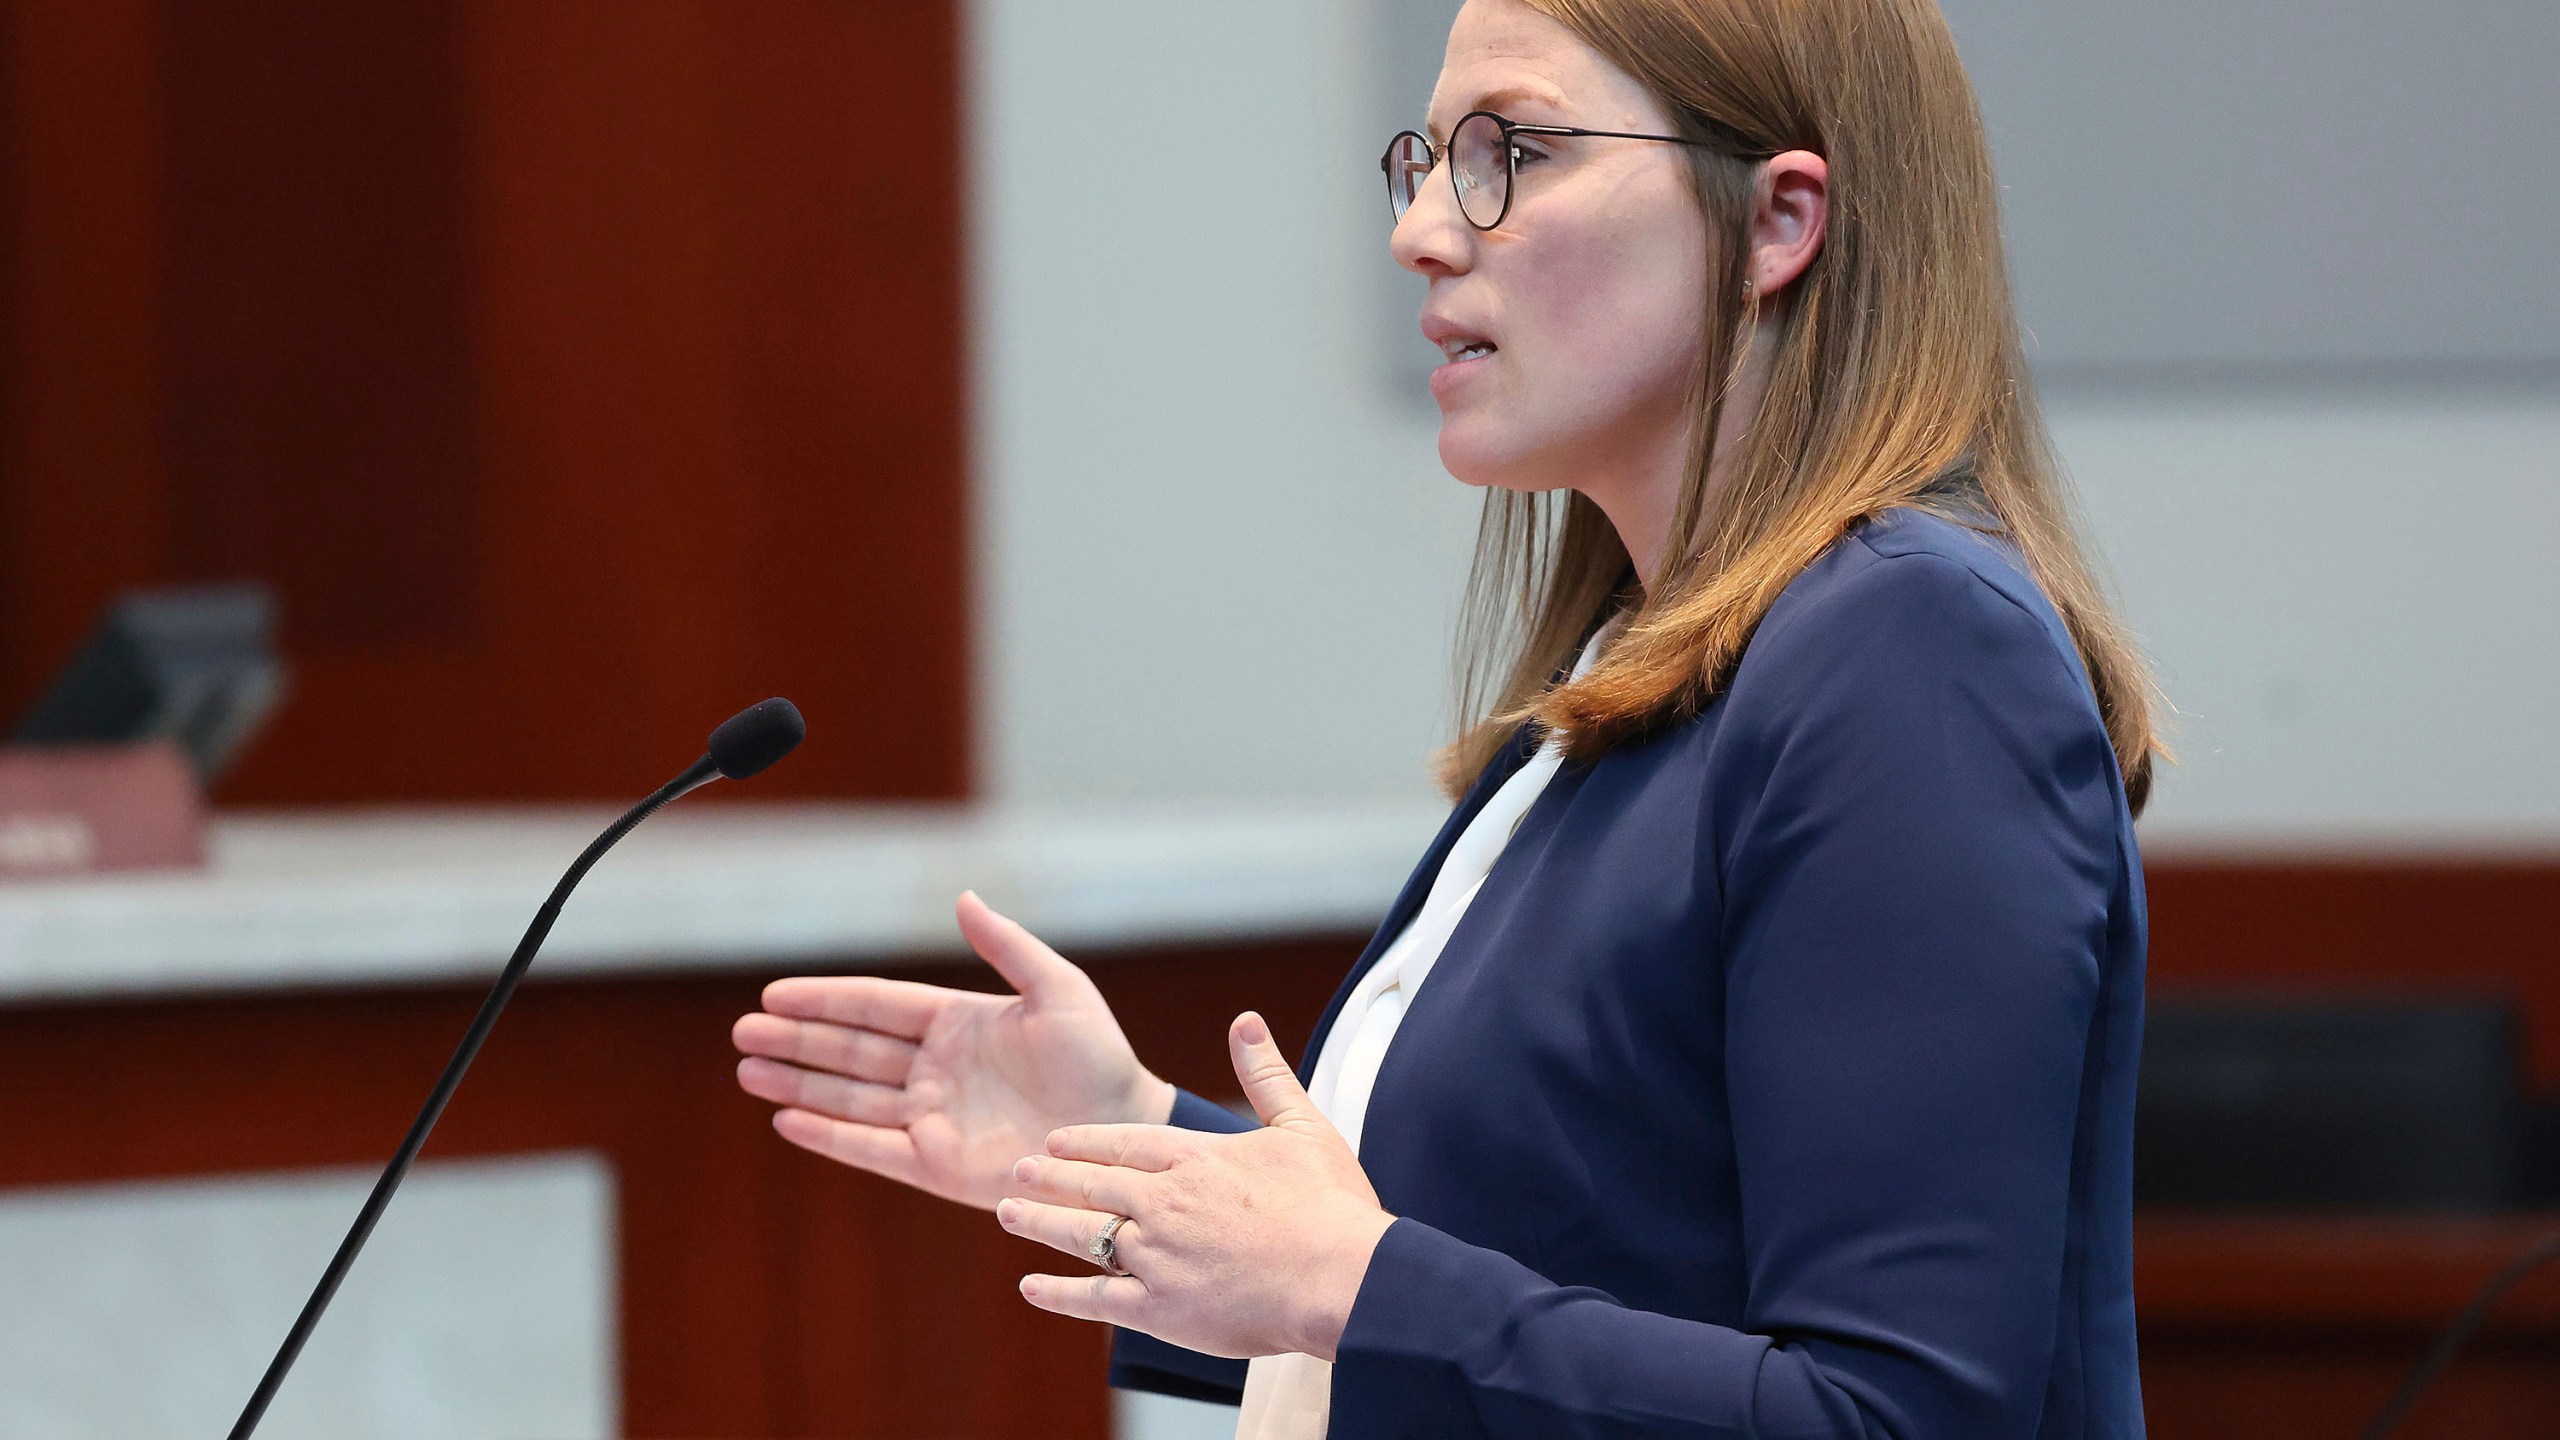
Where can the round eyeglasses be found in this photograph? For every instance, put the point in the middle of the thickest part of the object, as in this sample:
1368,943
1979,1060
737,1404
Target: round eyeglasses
1484,157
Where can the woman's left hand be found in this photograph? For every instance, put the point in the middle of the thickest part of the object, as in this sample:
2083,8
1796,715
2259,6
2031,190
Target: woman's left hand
1236,1245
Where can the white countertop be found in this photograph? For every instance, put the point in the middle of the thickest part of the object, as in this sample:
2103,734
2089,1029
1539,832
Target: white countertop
391,896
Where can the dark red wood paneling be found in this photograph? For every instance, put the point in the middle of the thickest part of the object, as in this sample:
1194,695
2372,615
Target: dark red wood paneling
83,504
320,426
578,372
2377,925
765,1292
2306,1325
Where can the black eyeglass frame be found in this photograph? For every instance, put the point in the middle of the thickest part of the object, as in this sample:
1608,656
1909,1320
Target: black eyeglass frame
1510,161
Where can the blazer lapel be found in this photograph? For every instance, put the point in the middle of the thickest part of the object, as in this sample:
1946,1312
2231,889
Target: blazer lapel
1417,886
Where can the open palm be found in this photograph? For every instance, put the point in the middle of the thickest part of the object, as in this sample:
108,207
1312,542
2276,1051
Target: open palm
945,1089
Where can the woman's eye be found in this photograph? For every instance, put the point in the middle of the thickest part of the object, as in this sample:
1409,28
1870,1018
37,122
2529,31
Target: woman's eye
1524,154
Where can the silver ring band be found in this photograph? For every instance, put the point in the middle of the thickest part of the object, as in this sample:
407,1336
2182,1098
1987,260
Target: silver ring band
1104,1250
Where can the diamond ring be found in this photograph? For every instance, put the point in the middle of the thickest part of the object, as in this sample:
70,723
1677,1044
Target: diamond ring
1103,1250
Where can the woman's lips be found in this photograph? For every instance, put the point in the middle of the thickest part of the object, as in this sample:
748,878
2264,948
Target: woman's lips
1455,372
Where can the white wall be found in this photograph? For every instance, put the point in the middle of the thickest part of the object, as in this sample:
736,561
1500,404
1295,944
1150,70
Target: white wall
1137,1415
483,1306
1219,559
2316,184
1215,561
2354,604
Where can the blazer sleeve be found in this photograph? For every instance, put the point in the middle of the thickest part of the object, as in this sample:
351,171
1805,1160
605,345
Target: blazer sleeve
1140,1361
1913,803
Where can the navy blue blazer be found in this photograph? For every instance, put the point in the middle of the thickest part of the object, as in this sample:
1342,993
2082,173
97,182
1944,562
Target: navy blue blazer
1779,1081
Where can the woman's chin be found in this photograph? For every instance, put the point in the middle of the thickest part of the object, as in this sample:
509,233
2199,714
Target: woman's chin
1473,457
1469,448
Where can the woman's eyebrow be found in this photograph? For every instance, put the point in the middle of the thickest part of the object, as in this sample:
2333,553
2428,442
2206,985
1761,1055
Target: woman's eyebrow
1494,100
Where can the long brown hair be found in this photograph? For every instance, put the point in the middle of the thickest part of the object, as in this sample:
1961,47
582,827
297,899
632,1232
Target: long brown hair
1896,366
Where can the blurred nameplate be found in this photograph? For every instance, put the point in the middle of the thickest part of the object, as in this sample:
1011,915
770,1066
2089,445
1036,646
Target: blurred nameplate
79,809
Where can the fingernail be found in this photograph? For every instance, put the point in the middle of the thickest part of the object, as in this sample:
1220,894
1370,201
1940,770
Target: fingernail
1255,1032
1006,1210
1030,1286
1024,1167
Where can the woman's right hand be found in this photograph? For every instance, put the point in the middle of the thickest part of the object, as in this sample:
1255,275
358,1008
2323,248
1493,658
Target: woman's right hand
945,1089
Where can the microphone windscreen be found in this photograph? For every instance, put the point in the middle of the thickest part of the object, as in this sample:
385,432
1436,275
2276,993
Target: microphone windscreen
757,736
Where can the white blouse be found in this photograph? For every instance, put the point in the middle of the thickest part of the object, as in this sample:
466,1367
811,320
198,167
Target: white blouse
1289,1396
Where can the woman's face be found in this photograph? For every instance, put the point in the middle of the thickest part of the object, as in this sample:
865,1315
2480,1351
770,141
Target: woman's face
1571,329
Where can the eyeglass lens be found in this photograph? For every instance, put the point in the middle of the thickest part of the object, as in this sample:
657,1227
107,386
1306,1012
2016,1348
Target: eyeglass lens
1477,167
1408,165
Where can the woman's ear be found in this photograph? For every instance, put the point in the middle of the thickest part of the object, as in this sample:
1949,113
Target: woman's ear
1787,219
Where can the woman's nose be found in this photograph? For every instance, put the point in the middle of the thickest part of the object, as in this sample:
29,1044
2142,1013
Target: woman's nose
1432,237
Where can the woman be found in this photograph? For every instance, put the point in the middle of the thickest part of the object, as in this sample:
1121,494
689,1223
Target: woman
1764,1020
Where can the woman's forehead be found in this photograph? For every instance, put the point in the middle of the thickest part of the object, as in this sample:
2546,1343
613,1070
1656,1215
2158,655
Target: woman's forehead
1507,57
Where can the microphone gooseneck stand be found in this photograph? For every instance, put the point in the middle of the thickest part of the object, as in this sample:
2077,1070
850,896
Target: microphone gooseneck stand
743,745
2448,1346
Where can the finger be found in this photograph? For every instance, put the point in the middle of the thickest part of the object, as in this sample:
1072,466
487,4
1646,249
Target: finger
1067,1229
876,1148
904,1008
819,1045
1073,1182
1268,1081
857,1100
1132,1147
1111,1299
1026,962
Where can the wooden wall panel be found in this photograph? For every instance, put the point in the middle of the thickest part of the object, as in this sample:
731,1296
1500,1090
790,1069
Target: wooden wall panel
765,1292
2377,925
83,509
578,372
2306,1325
320,424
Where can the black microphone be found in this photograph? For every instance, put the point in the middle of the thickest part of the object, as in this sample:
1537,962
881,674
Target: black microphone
744,745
